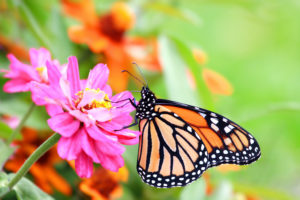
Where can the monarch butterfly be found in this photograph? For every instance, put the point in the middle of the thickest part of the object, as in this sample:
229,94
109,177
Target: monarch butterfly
179,141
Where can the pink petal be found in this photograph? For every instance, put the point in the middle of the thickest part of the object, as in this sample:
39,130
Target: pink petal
131,141
11,121
46,93
69,147
37,99
111,125
125,119
64,124
53,74
100,114
83,117
53,109
84,165
83,83
109,148
20,70
38,57
98,77
120,119
16,85
89,96
123,104
66,90
73,75
88,145
107,89
125,136
112,163
122,96
97,134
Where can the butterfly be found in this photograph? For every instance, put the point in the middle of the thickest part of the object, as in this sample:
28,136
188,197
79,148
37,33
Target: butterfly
179,142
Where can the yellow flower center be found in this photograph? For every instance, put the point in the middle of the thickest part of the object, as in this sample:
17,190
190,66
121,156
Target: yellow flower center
103,102
42,71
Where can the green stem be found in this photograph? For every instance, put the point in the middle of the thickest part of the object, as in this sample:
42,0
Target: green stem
39,152
17,130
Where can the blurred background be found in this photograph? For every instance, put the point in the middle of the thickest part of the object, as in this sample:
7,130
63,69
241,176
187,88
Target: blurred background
239,58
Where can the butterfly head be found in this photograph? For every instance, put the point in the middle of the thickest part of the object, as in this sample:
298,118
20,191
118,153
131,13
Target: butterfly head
146,104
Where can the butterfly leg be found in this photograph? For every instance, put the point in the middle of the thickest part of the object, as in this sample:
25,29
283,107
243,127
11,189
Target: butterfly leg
133,103
131,125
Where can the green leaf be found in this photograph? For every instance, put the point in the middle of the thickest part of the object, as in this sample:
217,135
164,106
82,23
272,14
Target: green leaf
32,24
26,190
194,191
6,152
3,184
196,69
175,72
57,33
5,130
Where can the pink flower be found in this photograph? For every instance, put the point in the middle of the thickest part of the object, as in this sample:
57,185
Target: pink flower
21,74
11,121
86,115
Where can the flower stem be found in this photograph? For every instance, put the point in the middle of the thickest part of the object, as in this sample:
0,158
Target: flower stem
17,130
39,152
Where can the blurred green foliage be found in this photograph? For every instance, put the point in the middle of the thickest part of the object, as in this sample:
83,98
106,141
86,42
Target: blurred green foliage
254,44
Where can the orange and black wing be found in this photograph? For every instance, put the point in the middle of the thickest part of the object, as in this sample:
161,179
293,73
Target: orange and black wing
171,153
225,141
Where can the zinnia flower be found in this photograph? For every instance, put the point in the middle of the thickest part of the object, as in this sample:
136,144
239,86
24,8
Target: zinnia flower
21,74
88,117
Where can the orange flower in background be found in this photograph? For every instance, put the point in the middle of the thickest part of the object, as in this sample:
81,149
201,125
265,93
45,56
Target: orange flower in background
43,170
242,196
228,167
216,83
103,34
10,46
209,186
99,32
104,184
200,56
106,34
144,52
3,5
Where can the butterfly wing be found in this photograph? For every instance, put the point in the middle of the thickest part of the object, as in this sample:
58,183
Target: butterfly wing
171,153
225,141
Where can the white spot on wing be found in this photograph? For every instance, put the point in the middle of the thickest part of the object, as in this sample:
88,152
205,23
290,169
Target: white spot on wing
227,129
214,120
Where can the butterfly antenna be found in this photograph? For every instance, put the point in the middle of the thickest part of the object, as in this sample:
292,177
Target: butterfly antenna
134,76
141,72
135,91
